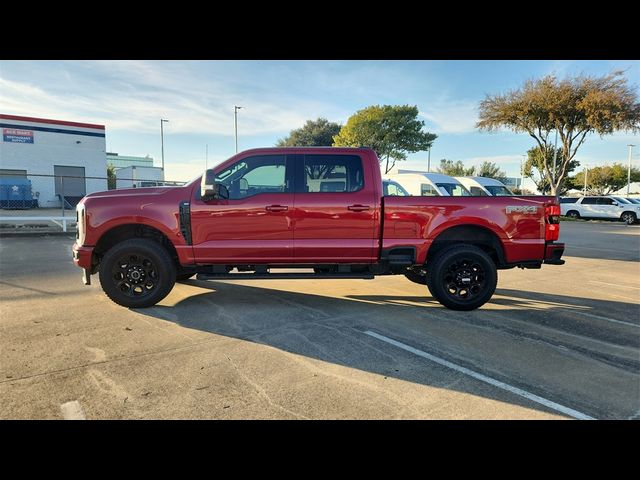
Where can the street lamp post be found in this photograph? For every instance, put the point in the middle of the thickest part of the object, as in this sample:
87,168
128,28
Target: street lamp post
429,160
522,174
586,172
629,169
555,154
235,115
162,120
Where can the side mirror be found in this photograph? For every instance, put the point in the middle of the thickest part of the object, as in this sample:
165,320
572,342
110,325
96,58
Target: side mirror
210,189
615,203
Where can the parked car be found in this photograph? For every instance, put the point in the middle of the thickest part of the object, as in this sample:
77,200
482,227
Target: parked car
273,208
393,189
429,184
604,207
483,186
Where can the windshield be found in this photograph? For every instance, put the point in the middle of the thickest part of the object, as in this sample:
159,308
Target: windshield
498,191
454,189
634,200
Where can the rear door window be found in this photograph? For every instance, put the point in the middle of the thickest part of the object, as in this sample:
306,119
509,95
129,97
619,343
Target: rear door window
427,190
332,174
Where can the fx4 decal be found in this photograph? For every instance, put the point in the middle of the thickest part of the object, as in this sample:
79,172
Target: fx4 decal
522,209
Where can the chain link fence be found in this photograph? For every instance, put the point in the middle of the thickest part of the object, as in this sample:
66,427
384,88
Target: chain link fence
46,202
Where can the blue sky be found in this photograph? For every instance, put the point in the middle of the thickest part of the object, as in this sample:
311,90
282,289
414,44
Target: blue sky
198,97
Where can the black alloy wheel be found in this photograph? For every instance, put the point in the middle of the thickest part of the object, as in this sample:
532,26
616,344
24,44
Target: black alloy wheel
462,277
137,273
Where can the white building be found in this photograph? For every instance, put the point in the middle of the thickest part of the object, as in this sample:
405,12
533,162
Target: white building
70,151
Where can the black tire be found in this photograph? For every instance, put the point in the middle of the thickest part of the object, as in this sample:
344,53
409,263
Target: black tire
417,275
573,214
462,277
137,273
629,218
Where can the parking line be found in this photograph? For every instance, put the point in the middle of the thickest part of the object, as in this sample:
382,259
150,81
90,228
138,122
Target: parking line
72,411
578,312
615,284
483,378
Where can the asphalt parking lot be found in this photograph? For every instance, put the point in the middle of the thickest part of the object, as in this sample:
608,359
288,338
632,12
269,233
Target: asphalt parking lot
557,343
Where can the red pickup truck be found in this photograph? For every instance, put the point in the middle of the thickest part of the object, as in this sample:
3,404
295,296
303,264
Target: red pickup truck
317,209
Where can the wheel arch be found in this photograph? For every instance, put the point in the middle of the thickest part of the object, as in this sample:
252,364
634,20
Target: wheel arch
477,235
127,231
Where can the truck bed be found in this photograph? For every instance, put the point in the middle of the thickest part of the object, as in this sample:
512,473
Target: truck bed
517,221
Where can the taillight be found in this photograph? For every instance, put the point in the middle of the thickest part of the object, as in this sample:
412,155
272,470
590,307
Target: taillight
552,210
552,232
552,223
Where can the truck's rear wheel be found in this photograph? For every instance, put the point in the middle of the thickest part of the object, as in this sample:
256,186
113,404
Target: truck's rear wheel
417,275
462,277
137,273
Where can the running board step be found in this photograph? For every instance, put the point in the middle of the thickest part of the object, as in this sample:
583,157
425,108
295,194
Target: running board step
282,276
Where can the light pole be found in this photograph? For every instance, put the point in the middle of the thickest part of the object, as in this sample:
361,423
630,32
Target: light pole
555,153
235,115
629,169
522,175
429,160
162,120
586,172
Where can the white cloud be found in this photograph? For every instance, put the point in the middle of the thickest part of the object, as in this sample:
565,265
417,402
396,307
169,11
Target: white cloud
133,96
452,116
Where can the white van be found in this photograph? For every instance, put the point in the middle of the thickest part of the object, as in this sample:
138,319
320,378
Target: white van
483,186
429,184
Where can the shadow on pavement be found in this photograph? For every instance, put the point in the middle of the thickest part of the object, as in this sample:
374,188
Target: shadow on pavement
331,329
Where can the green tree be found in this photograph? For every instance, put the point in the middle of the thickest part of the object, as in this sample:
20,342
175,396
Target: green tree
572,107
314,133
454,169
606,179
491,170
540,169
392,131
111,177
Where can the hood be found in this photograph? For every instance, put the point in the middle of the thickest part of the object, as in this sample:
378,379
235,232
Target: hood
131,192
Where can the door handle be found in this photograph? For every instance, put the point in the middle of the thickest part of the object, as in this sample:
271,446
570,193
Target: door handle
276,208
358,208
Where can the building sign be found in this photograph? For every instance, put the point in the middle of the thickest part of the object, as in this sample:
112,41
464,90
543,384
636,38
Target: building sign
17,136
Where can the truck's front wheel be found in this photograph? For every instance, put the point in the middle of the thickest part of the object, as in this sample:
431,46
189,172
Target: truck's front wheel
462,277
137,273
